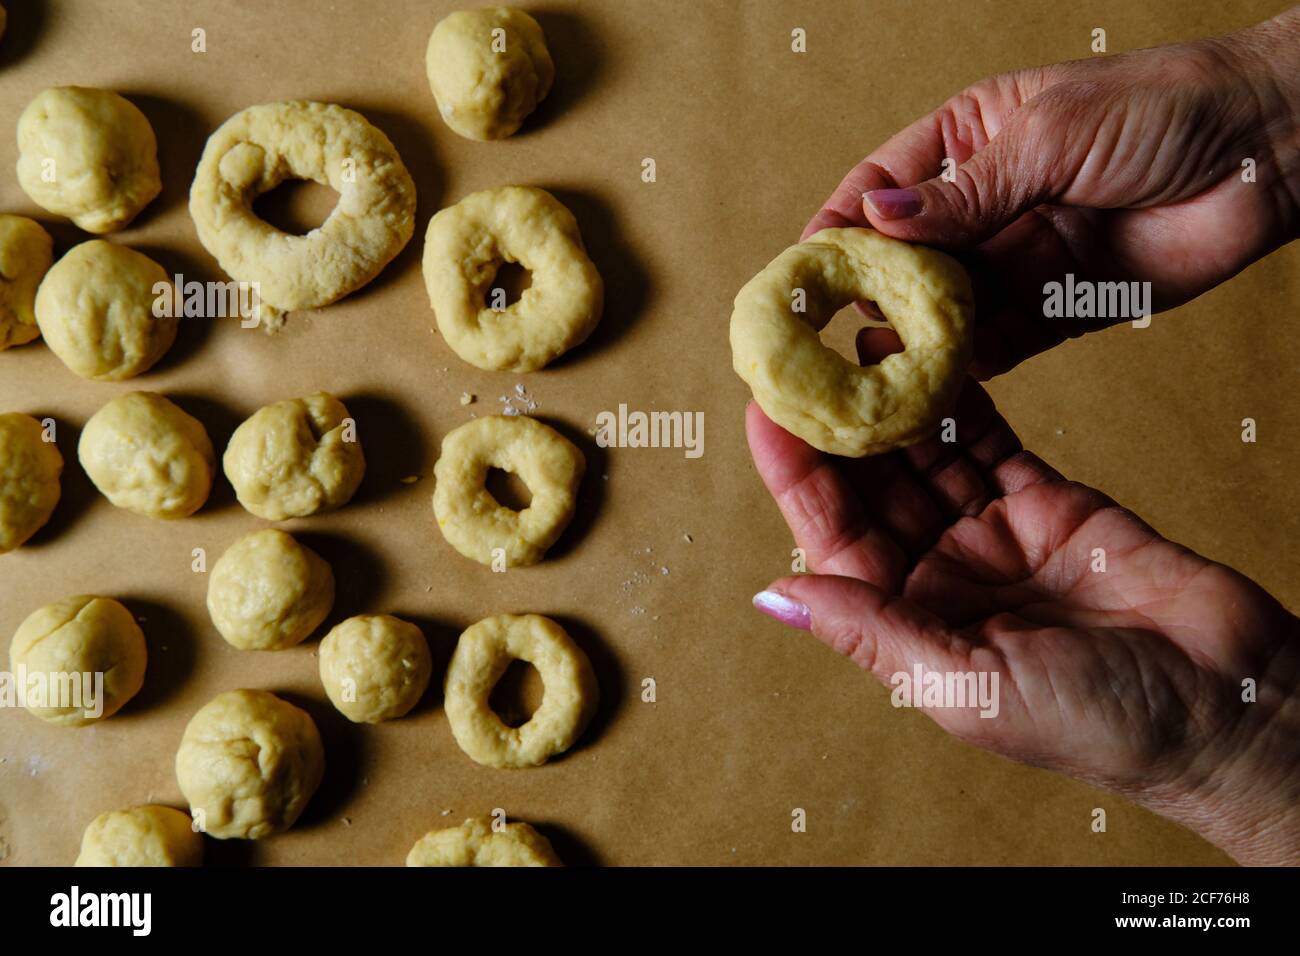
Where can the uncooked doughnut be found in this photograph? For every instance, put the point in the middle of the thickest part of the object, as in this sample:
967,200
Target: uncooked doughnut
482,655
89,155
76,636
259,148
248,763
476,843
268,592
488,70
95,308
295,458
29,479
374,667
26,252
465,246
475,523
814,393
146,455
141,836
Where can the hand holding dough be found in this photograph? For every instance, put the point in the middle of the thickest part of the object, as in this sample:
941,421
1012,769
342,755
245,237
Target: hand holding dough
89,155
814,393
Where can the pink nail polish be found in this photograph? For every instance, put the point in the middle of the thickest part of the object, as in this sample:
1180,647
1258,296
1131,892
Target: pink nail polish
785,609
894,203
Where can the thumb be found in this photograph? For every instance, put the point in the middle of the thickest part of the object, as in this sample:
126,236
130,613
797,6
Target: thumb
966,204
882,633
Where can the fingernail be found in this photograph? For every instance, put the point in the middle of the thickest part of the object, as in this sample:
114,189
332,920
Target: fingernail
894,203
785,609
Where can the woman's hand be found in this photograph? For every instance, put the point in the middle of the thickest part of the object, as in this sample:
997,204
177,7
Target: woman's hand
1124,168
977,556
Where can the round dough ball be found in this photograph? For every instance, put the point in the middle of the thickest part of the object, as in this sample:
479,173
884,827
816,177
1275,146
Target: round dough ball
295,458
375,667
141,836
29,479
95,308
268,592
475,843
248,763
146,455
75,636
484,91
89,155
26,251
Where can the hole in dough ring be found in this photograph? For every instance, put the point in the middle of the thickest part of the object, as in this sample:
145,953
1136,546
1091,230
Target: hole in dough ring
259,148
481,657
465,246
813,392
475,523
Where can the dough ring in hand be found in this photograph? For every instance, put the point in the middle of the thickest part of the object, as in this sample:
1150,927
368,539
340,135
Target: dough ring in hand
481,657
465,246
476,843
259,148
814,393
475,523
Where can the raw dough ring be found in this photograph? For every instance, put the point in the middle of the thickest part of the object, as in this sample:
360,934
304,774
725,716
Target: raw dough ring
481,657
259,148
475,523
465,246
813,392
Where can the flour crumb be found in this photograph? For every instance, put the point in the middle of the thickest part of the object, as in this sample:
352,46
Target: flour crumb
410,479
347,821
688,538
467,398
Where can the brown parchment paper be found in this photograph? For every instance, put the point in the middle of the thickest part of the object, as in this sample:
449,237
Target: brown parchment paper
751,720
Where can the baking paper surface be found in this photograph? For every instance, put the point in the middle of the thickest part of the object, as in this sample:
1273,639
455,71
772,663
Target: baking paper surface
751,720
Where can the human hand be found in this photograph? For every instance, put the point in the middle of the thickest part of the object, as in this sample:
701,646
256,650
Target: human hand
1123,168
976,556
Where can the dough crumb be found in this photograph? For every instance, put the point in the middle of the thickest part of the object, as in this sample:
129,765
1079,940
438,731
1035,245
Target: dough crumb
688,538
410,479
467,398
